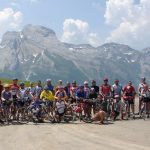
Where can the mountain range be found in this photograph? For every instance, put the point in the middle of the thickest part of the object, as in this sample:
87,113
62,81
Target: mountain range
36,53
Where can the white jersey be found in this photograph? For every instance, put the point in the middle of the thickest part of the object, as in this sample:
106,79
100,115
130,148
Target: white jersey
60,106
21,92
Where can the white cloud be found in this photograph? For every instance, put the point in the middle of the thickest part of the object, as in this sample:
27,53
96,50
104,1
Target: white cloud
9,20
130,21
78,32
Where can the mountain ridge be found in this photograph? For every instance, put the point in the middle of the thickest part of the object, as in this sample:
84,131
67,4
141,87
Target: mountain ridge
36,53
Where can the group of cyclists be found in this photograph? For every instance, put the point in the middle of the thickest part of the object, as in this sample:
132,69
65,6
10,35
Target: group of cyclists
88,101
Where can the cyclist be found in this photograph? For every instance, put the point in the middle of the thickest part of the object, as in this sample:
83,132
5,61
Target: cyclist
80,94
1,88
38,89
48,97
14,88
116,94
146,99
73,90
67,89
59,83
32,88
6,98
129,97
96,88
105,89
49,85
21,89
27,96
60,108
60,93
140,89
93,95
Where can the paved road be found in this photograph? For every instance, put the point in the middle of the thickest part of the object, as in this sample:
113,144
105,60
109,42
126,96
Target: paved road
121,135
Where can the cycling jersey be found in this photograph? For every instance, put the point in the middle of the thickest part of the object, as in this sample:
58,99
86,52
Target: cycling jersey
141,87
106,89
47,95
87,92
73,90
116,89
38,90
129,90
14,90
50,88
6,95
21,92
32,90
80,94
1,89
96,88
60,107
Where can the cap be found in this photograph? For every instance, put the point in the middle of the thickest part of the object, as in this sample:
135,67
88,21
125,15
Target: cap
86,82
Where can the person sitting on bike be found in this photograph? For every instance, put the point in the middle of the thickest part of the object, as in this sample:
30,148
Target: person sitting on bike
96,88
47,96
129,97
140,89
38,89
73,90
60,108
27,96
6,97
145,93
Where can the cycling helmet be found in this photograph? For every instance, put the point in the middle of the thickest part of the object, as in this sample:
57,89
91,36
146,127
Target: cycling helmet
48,80
93,81
143,78
6,86
14,79
22,84
86,82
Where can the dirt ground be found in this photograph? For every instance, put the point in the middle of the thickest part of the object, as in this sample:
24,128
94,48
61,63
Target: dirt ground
119,135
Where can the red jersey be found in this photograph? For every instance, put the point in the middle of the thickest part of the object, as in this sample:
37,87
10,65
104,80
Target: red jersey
129,90
105,89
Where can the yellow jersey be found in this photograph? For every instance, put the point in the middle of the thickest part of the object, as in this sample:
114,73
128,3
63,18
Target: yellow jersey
47,95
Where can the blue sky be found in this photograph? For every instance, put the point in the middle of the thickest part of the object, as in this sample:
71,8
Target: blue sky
82,21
